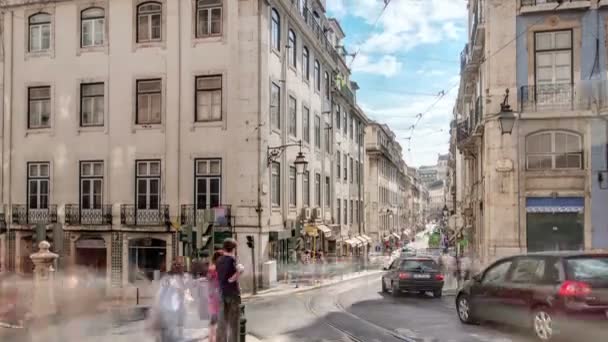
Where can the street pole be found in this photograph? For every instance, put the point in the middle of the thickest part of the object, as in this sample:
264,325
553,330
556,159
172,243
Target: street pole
255,286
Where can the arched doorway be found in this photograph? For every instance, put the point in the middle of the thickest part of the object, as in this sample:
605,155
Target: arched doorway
147,259
91,252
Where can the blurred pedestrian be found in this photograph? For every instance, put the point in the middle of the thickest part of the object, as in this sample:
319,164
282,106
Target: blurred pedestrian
229,273
209,296
169,312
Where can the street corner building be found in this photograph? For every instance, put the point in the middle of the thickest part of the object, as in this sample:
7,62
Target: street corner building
137,132
528,150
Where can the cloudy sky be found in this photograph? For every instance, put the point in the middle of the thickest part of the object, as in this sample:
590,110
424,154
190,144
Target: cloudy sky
404,61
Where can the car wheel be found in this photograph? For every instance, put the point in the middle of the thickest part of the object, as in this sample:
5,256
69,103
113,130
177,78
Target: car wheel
384,289
543,324
395,289
437,293
463,307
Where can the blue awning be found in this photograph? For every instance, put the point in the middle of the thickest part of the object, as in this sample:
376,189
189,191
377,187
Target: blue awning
555,205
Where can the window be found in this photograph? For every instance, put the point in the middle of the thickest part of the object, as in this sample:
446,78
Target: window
306,63
149,22
326,84
356,209
91,185
276,184
497,273
39,107
554,150
352,124
149,94
327,138
345,167
338,118
318,189
351,169
293,125
208,193
38,178
148,184
306,188
92,29
338,211
345,122
39,32
292,186
275,106
208,18
357,131
317,75
345,206
91,104
553,60
327,192
528,271
338,164
306,124
351,212
317,131
293,48
275,30
209,98
356,171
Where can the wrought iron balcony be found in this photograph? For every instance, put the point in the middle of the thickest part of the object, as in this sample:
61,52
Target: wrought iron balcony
539,2
220,215
24,215
561,96
130,215
74,215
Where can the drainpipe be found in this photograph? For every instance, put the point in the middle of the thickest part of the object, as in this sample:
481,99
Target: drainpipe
8,118
179,107
261,151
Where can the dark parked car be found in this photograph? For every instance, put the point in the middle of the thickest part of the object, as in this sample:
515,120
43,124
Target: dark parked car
419,274
555,294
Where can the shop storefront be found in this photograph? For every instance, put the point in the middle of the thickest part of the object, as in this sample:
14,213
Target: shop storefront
555,223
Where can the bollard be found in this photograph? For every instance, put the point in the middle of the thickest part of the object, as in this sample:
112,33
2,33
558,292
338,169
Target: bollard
242,324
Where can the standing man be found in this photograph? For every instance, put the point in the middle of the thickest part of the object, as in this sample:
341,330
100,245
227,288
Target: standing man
228,272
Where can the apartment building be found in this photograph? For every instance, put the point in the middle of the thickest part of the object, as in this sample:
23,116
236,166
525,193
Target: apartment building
533,158
386,185
126,121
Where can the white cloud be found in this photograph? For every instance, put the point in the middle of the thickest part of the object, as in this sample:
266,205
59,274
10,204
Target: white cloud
337,8
386,66
409,23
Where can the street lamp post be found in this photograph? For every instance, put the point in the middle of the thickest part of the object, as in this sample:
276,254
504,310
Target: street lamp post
506,118
275,152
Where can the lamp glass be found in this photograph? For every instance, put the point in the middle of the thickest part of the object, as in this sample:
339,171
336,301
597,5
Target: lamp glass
301,163
506,121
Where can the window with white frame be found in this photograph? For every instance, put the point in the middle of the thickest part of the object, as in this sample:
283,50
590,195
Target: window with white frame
208,191
147,184
317,131
292,186
149,101
91,104
276,184
275,106
39,107
293,124
39,26
553,60
209,98
275,30
317,75
293,48
92,27
306,63
306,188
38,179
338,211
91,185
306,124
149,22
208,18
554,150
317,189
327,191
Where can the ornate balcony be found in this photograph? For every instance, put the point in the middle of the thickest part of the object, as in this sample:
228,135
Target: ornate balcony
131,216
561,96
219,216
98,217
24,215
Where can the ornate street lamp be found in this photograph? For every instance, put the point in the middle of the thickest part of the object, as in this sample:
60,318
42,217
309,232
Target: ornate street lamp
275,152
506,118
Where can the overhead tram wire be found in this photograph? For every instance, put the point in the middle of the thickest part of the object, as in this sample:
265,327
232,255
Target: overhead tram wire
386,2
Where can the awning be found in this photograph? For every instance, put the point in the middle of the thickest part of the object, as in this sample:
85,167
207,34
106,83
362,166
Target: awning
360,238
325,230
397,236
353,242
555,204
367,238
311,230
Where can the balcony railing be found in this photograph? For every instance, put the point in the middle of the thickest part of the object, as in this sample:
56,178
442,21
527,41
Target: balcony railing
562,96
318,32
24,215
130,215
74,215
462,131
540,2
220,215
347,93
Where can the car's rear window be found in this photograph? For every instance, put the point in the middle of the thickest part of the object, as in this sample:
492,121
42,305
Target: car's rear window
425,265
591,268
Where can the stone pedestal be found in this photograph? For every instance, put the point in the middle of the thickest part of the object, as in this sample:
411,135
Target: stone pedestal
44,306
